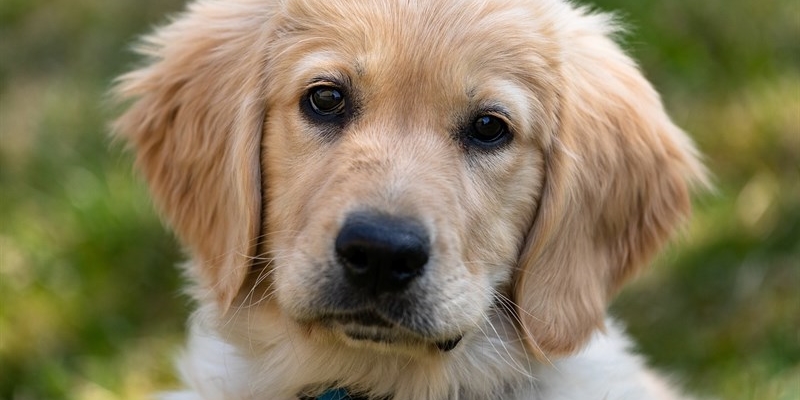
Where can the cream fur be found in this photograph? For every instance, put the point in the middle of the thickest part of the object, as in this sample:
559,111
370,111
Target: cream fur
529,240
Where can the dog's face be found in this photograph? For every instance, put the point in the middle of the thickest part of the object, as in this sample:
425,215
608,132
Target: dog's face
404,170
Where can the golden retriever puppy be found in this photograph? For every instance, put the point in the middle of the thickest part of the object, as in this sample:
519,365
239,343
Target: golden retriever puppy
406,200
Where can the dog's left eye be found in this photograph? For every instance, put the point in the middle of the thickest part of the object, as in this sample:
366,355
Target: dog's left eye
327,101
489,130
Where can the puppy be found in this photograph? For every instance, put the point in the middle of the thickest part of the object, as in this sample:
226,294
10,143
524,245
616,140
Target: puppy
406,200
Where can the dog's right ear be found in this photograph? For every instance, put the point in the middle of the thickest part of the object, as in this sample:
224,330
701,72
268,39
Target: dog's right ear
195,123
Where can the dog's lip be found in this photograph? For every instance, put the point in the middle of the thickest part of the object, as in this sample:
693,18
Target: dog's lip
371,326
371,336
362,318
382,336
447,345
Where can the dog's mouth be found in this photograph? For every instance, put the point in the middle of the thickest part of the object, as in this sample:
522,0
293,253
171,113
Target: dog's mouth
369,326
364,318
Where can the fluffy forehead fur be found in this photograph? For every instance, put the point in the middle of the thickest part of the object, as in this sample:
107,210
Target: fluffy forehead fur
528,240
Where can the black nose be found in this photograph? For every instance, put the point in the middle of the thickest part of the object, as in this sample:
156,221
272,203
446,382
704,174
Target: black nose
382,253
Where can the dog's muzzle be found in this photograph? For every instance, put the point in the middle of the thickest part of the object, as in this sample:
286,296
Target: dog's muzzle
381,255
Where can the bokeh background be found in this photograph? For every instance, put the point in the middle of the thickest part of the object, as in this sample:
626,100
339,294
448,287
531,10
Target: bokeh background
90,303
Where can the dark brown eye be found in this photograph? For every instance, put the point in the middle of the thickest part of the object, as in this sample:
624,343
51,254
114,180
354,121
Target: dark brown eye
488,130
327,101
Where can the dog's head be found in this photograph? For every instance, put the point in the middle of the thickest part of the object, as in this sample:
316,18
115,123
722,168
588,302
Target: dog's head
383,172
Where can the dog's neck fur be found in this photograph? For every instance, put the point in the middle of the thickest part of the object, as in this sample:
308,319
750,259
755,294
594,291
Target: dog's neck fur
250,359
490,360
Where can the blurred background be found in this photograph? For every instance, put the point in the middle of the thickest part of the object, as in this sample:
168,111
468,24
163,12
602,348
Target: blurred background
90,301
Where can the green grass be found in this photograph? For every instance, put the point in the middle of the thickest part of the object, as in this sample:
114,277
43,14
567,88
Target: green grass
90,302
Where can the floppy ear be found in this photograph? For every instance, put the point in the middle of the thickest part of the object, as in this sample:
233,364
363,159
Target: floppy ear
617,186
195,123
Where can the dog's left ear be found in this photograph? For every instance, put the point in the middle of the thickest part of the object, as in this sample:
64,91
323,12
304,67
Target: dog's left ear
617,186
195,123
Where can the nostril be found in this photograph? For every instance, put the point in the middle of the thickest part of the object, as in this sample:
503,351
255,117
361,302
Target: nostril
407,264
380,252
355,256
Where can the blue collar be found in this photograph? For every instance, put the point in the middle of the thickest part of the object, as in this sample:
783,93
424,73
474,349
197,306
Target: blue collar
339,394
335,394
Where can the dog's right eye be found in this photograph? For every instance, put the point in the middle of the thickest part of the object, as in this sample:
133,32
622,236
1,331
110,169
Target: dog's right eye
327,101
